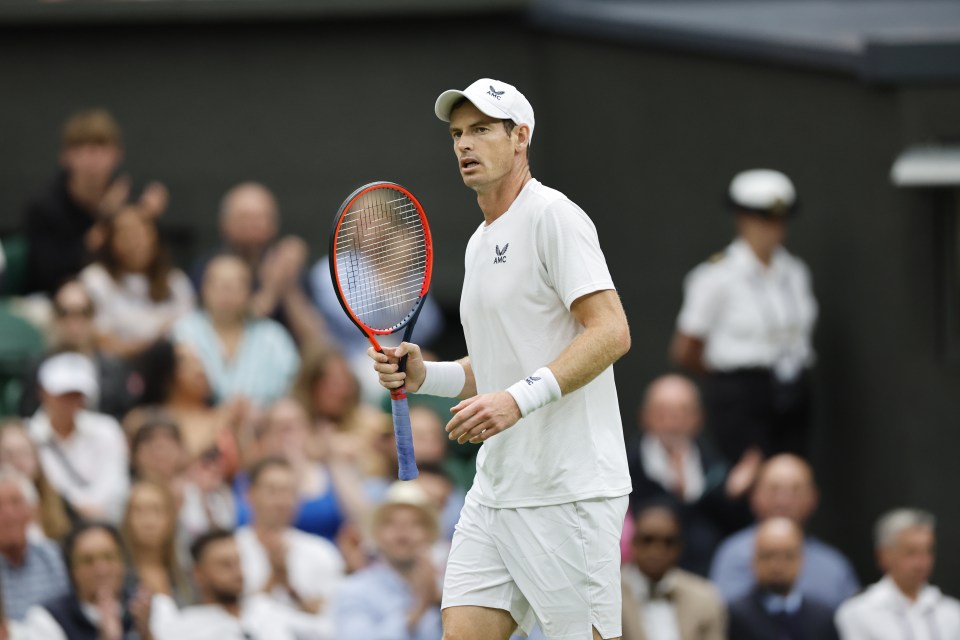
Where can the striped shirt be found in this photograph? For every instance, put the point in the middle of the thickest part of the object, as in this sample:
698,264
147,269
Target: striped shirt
41,577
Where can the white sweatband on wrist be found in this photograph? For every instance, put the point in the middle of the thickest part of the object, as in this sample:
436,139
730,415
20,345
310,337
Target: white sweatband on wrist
444,379
536,390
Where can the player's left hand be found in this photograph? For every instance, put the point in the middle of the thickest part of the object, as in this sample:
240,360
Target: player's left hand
481,417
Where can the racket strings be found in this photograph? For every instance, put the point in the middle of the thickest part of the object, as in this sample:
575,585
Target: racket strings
381,258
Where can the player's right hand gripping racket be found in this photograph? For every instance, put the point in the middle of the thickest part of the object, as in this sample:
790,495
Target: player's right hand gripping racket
381,256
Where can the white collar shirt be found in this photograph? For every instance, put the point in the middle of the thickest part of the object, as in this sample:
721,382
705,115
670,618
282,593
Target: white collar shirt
750,315
656,464
659,612
90,466
883,612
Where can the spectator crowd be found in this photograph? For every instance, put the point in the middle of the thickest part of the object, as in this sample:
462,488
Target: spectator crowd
198,451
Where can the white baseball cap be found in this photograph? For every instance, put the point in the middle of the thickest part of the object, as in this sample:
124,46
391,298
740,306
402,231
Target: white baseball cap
764,191
492,97
69,373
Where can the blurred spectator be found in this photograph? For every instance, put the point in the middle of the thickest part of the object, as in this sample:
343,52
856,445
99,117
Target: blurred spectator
329,391
203,425
62,221
747,321
903,604
149,532
138,294
669,461
73,330
97,606
156,448
207,501
399,596
241,355
249,224
50,517
785,489
776,608
223,613
329,488
31,570
10,629
300,571
660,600
83,453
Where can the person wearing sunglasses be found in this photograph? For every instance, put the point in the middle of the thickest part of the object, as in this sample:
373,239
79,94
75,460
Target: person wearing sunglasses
660,600
73,330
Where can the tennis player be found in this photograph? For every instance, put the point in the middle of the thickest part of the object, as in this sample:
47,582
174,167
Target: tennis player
538,538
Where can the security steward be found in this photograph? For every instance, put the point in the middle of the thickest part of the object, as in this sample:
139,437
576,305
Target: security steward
746,323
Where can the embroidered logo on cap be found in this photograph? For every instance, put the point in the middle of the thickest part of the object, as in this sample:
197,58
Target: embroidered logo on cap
493,92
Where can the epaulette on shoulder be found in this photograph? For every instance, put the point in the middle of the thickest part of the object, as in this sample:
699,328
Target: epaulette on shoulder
717,257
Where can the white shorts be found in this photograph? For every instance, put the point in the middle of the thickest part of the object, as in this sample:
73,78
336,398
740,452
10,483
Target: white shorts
559,565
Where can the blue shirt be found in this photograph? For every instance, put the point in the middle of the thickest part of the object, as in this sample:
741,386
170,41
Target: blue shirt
320,515
262,368
42,577
826,576
373,604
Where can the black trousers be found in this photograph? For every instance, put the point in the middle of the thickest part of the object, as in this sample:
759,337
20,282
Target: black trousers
751,408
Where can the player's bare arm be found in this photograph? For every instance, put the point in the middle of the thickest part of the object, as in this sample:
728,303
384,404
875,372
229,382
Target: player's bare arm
605,339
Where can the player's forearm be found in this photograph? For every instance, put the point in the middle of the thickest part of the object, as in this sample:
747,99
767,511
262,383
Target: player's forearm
590,353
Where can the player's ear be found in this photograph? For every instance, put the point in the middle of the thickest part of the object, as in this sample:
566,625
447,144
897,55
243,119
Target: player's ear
522,138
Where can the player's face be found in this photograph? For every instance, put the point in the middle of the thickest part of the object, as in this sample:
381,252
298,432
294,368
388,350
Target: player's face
909,560
485,152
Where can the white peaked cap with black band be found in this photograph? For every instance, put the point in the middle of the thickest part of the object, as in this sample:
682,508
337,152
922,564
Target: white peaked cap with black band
492,97
763,191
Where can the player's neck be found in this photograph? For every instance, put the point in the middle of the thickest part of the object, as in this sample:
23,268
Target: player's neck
495,201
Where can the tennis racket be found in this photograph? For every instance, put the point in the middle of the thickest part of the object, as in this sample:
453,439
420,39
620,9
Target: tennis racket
381,257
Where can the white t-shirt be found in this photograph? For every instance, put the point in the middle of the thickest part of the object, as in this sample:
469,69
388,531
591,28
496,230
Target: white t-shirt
260,619
749,315
522,274
315,568
89,468
125,309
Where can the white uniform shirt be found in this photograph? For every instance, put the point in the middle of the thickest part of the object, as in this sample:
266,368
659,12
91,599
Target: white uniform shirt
523,272
125,309
882,612
749,315
90,467
315,569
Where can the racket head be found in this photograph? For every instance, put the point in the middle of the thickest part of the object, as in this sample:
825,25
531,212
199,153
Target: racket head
381,257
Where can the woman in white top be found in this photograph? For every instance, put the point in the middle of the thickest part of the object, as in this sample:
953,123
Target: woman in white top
747,321
137,292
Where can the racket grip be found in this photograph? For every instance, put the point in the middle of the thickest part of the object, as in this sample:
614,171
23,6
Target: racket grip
406,459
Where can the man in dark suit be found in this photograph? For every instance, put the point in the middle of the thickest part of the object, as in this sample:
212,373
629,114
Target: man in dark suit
775,609
668,462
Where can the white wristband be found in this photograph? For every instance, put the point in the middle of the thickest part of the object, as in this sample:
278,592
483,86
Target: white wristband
535,390
445,379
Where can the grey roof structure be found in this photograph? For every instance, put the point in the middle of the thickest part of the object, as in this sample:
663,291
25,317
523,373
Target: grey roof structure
879,41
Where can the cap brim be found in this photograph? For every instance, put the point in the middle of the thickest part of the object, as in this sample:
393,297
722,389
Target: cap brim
447,99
